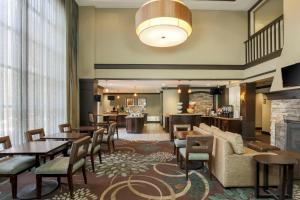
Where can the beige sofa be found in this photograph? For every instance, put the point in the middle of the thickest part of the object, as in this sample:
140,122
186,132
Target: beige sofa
232,163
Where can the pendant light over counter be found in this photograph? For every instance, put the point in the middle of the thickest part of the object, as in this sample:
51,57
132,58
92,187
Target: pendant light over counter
163,23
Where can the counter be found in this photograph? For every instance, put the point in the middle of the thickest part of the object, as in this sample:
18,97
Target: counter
225,124
134,124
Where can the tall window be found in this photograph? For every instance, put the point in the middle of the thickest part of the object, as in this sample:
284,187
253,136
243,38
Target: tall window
32,66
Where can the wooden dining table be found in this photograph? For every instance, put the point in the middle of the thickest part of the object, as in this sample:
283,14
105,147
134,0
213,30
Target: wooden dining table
65,136
181,135
86,129
37,149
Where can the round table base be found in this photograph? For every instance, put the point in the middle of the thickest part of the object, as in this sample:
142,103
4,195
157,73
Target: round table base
29,191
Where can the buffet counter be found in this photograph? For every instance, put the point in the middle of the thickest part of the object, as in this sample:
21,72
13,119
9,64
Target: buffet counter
134,124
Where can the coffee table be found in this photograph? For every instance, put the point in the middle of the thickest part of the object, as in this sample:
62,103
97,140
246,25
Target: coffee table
286,166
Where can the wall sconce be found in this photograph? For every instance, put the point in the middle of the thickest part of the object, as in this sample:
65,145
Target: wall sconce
179,91
243,97
118,97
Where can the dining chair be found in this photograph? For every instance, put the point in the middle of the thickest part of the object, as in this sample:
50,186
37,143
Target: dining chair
65,166
108,139
180,143
95,146
198,148
114,118
13,166
65,128
35,135
93,122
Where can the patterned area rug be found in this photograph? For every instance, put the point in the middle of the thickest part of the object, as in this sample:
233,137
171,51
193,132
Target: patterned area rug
137,171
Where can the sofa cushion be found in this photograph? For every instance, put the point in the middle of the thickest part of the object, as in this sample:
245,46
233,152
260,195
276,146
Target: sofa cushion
180,143
59,166
201,131
194,156
16,164
206,127
236,142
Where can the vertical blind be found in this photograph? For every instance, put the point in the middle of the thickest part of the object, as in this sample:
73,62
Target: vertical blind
32,66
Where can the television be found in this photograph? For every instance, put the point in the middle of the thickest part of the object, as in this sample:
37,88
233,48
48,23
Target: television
291,75
111,98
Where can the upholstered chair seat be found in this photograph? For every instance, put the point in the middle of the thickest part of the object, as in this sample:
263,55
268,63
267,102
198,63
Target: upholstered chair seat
194,156
95,150
59,166
15,165
179,143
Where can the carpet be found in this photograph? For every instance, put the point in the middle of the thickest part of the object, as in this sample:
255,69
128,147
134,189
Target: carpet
137,171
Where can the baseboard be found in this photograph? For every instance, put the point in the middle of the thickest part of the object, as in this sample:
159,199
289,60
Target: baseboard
153,122
258,128
265,132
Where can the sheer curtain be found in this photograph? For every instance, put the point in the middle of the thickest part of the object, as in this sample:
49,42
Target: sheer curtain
10,68
46,64
32,66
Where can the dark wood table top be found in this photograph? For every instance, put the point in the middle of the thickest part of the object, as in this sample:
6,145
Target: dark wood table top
65,136
85,129
275,159
34,148
181,135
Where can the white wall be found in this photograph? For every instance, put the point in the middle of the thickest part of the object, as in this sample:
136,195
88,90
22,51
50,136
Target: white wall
258,110
234,99
266,115
170,100
107,36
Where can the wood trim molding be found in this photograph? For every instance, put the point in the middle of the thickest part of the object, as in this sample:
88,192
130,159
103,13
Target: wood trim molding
170,66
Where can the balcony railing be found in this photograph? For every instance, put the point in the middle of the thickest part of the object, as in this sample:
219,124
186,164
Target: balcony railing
265,44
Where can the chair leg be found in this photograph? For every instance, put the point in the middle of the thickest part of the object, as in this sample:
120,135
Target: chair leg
39,186
174,149
59,180
117,129
70,183
186,170
180,160
100,159
84,174
209,169
177,153
108,146
92,161
14,186
113,144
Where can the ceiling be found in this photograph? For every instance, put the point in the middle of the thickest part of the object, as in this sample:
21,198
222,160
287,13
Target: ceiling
152,86
192,4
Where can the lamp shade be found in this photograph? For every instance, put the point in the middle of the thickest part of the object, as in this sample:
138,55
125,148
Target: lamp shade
163,23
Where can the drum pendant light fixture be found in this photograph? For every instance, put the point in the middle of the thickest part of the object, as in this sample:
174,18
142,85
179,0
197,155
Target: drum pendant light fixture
163,23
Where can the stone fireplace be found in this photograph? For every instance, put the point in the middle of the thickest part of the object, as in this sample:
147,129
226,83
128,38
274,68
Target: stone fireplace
285,113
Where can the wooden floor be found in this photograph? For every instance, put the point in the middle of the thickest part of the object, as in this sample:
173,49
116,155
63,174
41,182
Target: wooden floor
263,137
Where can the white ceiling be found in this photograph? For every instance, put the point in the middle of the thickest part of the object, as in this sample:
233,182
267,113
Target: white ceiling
152,86
192,4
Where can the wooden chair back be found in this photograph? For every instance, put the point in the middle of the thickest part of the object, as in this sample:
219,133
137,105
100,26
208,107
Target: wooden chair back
97,138
79,150
92,119
35,135
5,142
65,128
112,129
199,144
182,127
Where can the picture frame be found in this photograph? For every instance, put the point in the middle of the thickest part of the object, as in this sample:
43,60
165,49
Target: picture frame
129,102
142,101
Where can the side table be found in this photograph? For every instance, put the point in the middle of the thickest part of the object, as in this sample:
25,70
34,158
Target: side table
286,167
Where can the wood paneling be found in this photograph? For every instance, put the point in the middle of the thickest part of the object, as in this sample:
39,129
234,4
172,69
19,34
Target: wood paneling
184,97
248,90
87,102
